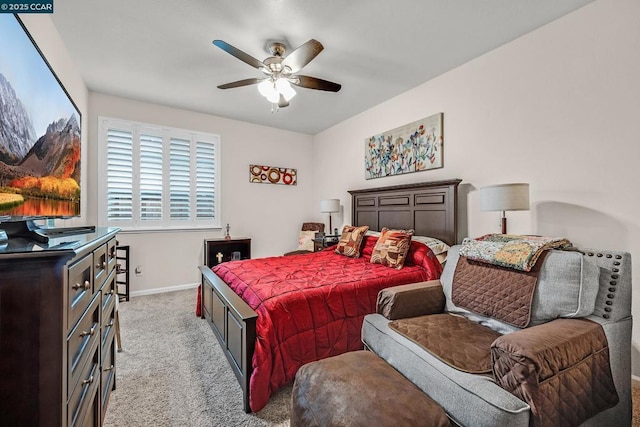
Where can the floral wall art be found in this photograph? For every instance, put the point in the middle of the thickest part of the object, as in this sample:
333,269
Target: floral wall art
272,175
413,147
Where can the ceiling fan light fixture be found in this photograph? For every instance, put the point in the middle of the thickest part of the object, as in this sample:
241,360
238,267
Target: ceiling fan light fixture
273,97
284,87
279,71
268,90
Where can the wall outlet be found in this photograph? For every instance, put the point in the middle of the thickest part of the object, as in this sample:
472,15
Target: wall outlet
138,270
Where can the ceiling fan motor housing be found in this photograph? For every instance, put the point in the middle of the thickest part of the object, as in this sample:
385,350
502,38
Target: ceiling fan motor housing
277,49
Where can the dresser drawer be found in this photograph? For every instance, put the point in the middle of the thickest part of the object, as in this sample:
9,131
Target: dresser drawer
108,323
81,342
100,265
108,293
111,255
108,375
79,288
83,408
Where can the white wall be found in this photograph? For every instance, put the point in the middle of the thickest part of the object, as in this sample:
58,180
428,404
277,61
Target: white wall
557,108
269,214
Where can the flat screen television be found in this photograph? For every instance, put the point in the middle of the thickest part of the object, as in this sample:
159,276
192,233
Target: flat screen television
40,139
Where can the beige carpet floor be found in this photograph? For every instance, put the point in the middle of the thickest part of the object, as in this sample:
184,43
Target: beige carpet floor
172,371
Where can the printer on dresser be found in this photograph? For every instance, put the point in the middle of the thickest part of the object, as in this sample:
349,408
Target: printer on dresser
57,311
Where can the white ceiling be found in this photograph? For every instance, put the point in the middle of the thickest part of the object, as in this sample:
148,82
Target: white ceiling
160,51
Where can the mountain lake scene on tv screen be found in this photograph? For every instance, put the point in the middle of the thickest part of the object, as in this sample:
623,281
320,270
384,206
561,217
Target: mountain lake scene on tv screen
39,133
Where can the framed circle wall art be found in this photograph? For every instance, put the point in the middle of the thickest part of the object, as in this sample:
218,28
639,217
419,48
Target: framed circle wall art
272,175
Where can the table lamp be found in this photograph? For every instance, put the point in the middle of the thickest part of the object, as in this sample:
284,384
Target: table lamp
505,197
330,206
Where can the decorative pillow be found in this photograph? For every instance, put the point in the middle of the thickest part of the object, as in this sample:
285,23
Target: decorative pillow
305,240
392,247
351,241
437,246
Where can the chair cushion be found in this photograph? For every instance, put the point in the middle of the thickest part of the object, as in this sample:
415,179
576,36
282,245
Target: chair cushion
434,333
305,240
468,399
567,287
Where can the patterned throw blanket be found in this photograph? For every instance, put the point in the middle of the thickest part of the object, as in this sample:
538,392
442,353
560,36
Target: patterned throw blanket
510,250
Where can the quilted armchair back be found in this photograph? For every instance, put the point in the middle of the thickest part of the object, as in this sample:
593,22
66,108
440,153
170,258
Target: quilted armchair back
571,284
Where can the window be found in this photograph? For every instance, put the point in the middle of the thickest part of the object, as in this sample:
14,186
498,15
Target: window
154,177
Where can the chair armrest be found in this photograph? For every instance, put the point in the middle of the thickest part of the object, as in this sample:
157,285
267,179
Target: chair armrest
414,299
560,368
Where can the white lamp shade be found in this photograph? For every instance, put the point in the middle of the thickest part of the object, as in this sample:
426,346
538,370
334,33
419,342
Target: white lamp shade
330,205
505,197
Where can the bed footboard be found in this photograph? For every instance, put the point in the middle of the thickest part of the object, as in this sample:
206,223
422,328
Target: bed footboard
233,323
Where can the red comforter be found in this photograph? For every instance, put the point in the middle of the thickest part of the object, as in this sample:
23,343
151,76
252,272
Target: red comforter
312,306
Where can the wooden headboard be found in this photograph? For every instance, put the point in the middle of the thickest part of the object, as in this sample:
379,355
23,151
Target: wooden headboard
429,208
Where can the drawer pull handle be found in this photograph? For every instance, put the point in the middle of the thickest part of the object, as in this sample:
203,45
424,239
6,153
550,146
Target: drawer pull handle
101,266
111,292
88,381
85,285
91,332
110,323
108,369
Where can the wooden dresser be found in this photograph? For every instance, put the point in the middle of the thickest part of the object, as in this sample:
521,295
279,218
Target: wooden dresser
57,312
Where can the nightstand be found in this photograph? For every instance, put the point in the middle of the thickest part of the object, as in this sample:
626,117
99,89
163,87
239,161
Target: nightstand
220,250
320,243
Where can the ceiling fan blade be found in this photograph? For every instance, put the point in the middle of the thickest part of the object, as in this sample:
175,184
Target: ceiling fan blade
315,83
245,82
302,55
244,57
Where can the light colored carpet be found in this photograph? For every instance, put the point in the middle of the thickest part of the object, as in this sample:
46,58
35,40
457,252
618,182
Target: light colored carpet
172,371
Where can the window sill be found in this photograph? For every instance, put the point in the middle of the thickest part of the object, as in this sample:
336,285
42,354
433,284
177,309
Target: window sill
125,230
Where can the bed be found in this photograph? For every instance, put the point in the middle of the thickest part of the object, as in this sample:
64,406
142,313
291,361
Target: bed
302,308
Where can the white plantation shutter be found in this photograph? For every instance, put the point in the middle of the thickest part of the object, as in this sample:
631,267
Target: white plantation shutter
150,177
205,180
120,177
180,179
158,178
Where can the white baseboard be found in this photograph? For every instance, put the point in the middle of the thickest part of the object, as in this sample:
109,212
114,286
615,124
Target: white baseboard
165,289
635,381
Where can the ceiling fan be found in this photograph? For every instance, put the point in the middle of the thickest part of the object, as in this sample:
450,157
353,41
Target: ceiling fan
280,71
